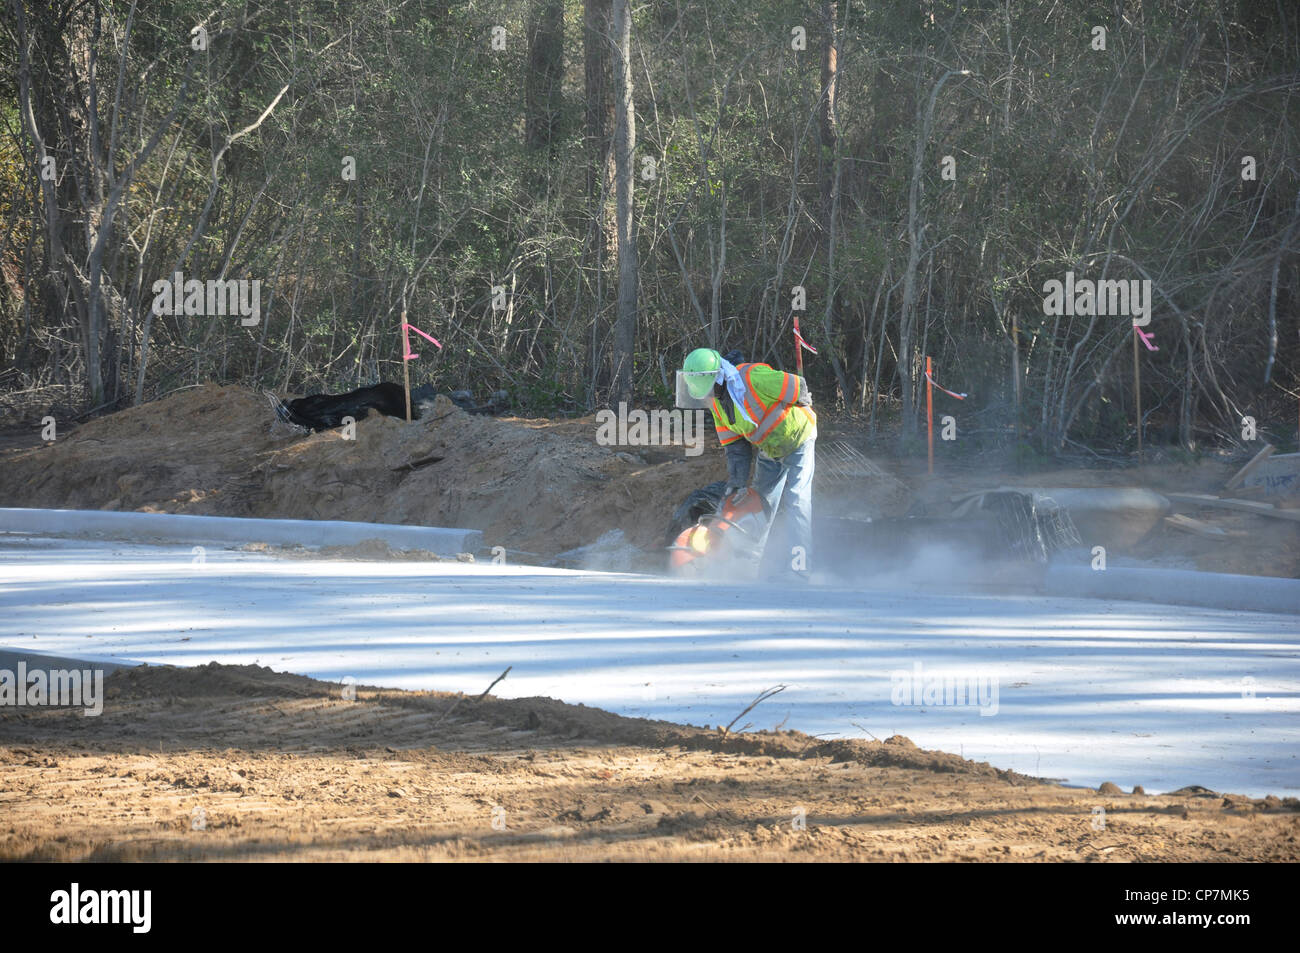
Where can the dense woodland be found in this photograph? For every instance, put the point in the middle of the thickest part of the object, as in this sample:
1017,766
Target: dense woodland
571,194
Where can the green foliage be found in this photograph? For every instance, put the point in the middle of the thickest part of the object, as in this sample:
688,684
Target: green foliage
1027,458
544,395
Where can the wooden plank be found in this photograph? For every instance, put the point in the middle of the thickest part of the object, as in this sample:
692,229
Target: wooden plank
1196,527
1255,463
1244,506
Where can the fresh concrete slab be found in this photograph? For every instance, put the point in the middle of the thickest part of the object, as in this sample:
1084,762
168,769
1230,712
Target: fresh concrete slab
174,527
1185,587
1084,690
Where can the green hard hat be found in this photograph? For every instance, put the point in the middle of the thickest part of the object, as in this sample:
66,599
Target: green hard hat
700,369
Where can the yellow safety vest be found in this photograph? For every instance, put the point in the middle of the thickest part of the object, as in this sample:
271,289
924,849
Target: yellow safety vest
780,425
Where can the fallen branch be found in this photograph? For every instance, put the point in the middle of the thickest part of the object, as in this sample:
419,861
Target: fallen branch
494,684
860,728
711,807
416,464
762,697
457,702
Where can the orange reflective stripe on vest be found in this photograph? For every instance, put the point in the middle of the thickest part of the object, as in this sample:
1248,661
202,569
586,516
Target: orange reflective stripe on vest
725,434
769,426
770,417
771,420
754,405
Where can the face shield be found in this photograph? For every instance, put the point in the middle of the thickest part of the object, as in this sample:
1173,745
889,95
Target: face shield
689,383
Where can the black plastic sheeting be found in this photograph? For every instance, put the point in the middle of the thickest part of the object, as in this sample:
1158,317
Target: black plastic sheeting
326,411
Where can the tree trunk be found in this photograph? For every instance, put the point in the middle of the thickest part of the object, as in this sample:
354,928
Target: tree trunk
915,236
828,127
598,120
624,145
48,102
545,74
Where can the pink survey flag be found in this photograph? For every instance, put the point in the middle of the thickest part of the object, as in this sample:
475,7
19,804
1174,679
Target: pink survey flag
406,330
944,389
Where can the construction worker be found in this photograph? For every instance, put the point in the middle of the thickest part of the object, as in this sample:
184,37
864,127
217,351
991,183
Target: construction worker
757,406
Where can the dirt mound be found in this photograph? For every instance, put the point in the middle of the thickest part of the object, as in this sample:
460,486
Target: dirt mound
546,716
537,487
191,452
242,763
219,451
209,681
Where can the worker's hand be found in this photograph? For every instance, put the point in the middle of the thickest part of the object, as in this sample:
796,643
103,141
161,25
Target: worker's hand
737,494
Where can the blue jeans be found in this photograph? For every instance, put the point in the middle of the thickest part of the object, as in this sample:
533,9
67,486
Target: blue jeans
786,485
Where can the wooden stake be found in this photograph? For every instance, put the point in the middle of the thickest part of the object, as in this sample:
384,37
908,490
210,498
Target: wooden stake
798,348
1015,367
406,367
929,411
1137,390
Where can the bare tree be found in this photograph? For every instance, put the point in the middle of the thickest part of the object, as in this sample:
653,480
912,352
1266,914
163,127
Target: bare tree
545,72
624,145
915,238
598,121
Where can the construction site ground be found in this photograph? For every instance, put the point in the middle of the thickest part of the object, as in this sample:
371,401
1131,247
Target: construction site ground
238,763
235,762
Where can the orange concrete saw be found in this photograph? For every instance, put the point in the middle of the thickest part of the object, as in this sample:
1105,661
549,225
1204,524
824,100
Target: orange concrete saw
727,539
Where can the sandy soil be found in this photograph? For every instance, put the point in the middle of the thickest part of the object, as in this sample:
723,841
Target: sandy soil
219,451
239,763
